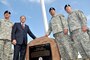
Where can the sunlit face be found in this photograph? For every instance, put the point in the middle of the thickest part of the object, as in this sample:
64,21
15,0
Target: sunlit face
68,9
22,19
7,15
52,12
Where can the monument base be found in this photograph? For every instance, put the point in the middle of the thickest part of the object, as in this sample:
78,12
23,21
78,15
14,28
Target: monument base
43,48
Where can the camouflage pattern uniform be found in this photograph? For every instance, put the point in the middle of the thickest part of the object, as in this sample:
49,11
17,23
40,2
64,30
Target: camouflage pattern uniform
56,25
5,39
76,20
88,31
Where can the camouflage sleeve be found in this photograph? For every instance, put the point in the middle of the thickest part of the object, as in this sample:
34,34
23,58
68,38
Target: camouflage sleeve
49,29
82,18
0,23
13,33
12,24
64,22
68,23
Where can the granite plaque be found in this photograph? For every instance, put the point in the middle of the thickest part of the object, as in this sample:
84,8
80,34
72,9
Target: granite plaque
40,52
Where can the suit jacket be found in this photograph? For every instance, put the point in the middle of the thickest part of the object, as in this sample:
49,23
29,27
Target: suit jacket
17,33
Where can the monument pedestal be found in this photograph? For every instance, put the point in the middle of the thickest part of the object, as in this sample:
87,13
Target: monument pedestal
43,48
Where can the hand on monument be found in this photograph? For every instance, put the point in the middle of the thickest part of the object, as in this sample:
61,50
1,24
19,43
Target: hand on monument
46,35
84,28
14,42
65,31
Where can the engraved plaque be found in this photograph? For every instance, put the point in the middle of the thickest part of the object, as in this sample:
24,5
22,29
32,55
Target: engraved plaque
42,48
40,52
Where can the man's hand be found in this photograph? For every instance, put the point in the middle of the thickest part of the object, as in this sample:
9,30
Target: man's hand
65,31
46,35
14,42
84,28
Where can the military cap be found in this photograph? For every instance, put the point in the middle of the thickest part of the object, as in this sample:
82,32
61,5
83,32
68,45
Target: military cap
52,8
7,12
66,6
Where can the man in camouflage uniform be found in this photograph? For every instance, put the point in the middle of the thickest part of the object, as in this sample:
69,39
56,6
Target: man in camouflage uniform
88,31
5,37
78,28
58,25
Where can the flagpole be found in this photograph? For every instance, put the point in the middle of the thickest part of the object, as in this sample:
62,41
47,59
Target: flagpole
44,15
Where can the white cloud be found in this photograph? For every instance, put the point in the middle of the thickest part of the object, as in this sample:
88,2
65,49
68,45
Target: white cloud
49,1
38,1
88,17
4,2
7,4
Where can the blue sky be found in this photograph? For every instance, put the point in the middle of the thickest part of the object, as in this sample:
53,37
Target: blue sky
32,10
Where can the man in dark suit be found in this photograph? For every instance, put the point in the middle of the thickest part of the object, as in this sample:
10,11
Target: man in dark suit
19,38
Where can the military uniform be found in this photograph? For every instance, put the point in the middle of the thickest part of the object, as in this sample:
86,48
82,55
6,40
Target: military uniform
88,31
56,25
5,39
76,19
